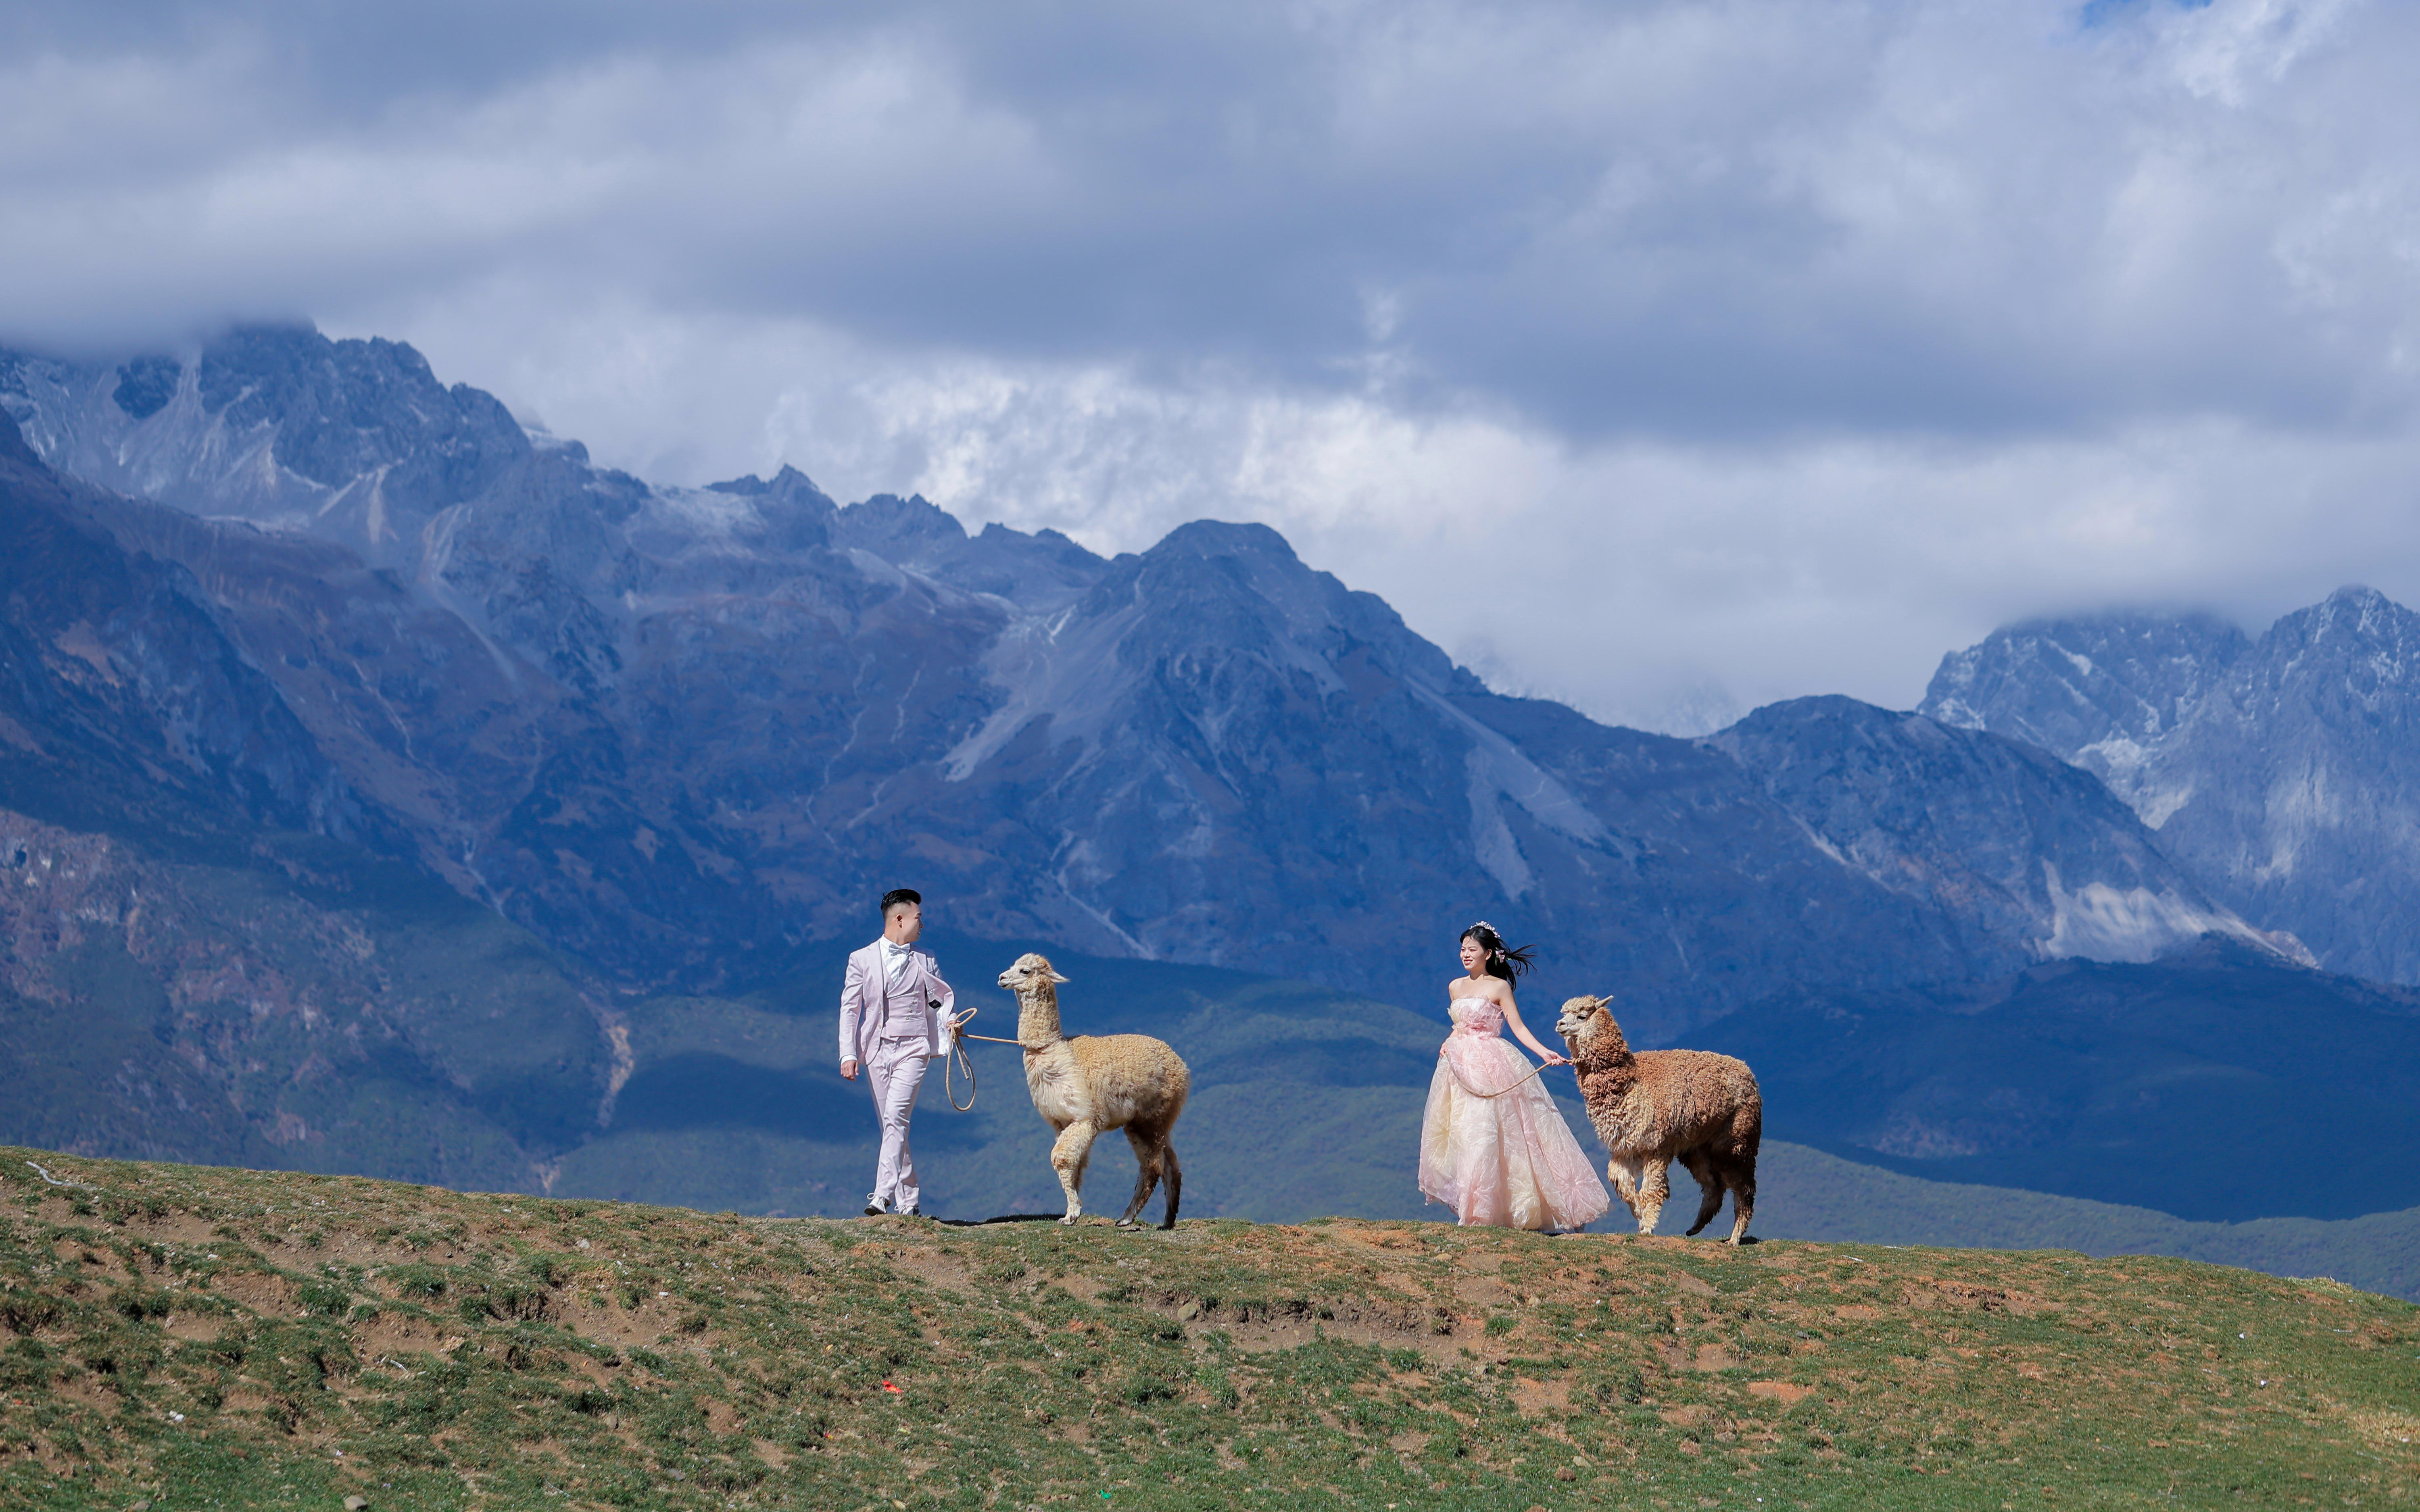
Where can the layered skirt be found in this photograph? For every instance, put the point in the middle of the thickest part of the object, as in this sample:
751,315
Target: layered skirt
1507,1160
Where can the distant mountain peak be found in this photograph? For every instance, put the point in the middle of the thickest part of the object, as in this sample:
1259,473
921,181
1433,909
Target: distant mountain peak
910,532
2284,772
1227,538
354,441
2354,614
1932,810
2065,683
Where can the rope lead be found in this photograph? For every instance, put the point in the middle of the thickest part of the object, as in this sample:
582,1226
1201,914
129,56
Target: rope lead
957,1060
1474,1091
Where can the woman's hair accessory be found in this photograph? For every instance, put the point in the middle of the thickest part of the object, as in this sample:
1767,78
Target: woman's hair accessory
1515,961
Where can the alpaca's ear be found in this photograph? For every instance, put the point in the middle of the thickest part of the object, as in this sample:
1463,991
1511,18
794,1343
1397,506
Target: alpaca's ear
1055,976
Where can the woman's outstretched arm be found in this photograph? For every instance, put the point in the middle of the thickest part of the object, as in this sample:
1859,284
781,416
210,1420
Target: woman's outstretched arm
1513,1016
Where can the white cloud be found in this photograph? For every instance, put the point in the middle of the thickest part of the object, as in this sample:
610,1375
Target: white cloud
1769,344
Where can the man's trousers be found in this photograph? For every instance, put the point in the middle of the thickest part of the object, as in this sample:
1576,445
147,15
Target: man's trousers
894,1073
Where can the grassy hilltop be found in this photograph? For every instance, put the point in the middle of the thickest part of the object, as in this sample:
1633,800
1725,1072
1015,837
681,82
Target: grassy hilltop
186,1337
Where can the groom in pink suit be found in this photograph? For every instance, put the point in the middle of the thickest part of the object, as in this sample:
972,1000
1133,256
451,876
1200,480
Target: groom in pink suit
892,1005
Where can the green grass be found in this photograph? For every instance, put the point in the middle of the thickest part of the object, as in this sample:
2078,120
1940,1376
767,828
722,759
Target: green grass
189,1336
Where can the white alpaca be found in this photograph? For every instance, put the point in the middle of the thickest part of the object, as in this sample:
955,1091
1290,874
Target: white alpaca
1093,1082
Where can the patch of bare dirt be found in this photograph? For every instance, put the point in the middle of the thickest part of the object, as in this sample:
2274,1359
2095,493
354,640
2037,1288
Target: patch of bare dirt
257,1291
1967,1297
1534,1397
397,1333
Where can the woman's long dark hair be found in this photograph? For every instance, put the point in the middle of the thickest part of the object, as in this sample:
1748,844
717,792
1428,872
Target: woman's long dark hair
1509,964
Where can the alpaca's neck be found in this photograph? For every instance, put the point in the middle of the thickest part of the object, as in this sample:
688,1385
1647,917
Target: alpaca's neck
1037,1016
1608,1071
1609,1051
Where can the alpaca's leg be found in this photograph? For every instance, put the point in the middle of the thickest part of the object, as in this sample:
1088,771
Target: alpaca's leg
1068,1157
1623,1174
1710,1186
1175,1179
1147,1149
1741,1175
1654,1187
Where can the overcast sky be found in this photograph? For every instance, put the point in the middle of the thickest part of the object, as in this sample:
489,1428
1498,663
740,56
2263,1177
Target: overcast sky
1657,357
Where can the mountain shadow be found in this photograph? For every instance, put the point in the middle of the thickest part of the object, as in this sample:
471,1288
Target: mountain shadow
2224,1084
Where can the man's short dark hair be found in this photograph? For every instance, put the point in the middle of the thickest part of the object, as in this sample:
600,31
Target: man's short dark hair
901,895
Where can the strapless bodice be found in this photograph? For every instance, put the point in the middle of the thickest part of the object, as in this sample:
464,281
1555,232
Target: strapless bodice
1475,1016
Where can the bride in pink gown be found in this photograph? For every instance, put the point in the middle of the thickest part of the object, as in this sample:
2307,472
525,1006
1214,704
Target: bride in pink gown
1494,1151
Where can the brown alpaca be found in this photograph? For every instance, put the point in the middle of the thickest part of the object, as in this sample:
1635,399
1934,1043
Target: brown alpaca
1093,1082
1652,1108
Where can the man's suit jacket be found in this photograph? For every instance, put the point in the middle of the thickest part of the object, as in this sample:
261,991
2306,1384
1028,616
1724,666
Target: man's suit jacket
861,994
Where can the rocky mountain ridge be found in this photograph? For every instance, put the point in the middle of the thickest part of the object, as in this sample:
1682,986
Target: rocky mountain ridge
214,942
2282,771
675,730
